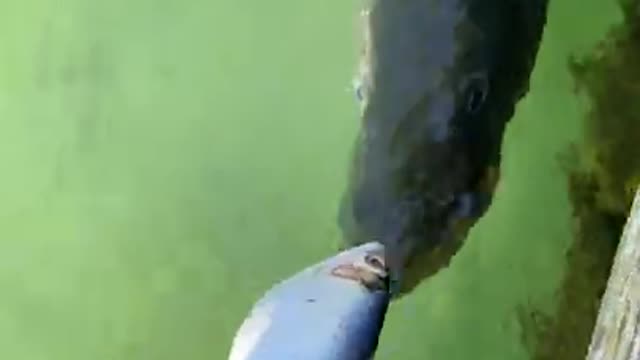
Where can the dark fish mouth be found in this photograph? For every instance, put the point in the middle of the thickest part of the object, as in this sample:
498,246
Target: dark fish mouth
412,228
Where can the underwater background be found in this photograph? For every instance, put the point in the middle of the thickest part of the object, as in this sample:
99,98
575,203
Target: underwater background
162,163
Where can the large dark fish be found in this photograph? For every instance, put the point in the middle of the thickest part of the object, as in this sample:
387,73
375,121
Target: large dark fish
438,82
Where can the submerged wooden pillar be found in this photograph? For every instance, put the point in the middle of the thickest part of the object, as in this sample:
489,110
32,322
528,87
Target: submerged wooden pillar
616,335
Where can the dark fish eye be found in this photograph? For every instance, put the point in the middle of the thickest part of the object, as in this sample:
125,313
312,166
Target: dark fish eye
477,91
461,205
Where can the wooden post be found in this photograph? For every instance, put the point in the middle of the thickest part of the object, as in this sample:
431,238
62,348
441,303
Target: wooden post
616,335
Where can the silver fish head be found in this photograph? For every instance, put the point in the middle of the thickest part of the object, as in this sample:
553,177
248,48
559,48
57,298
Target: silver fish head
333,310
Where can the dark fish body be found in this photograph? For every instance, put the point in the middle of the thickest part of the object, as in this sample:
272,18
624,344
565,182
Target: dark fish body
438,82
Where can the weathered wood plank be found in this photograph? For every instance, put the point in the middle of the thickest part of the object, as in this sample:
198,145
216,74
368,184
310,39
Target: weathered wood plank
616,335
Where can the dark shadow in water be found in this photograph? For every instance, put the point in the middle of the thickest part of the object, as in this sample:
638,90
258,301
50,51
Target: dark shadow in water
602,176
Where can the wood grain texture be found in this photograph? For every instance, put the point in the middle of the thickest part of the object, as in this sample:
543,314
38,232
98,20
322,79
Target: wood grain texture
616,334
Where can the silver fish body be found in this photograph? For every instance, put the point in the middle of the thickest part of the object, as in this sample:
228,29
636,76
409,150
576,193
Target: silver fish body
333,310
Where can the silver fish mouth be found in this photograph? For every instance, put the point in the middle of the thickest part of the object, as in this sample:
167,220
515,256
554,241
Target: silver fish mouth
370,271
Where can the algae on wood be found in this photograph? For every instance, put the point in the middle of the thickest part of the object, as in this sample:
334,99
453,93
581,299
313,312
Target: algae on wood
616,335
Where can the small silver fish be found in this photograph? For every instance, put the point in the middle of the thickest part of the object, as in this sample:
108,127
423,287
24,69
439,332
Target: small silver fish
333,310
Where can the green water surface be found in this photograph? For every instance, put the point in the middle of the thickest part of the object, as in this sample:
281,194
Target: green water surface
163,162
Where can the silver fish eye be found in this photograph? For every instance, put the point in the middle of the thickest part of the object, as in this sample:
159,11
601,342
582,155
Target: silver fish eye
375,262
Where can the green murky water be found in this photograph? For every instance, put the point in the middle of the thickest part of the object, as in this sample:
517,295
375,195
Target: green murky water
162,163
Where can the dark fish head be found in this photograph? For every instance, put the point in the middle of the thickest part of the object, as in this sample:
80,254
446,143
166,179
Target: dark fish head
438,82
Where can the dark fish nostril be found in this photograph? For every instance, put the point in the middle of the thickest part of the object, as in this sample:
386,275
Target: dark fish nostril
359,94
477,91
476,97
